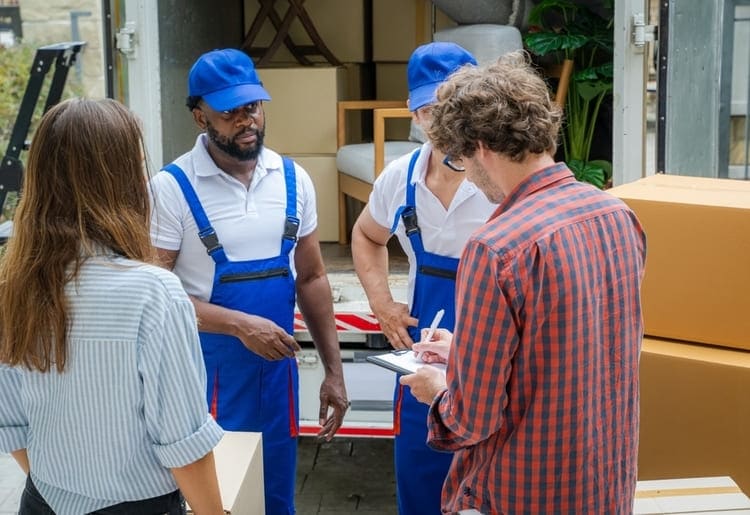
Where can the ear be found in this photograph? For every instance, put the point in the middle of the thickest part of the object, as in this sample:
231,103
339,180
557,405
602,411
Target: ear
199,117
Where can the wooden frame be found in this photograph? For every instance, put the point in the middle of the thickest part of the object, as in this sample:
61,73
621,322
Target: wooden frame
563,73
351,186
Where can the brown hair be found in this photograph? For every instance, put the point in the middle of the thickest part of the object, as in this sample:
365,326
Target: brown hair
84,188
505,105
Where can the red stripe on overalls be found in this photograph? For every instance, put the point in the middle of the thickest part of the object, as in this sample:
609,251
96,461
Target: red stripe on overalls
214,409
397,411
293,423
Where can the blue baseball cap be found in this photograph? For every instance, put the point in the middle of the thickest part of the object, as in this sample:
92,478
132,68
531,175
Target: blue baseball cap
429,65
226,79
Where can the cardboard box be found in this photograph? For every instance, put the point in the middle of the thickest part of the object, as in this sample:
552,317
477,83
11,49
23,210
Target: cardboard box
400,26
697,283
695,412
339,23
390,84
301,116
324,175
239,467
690,495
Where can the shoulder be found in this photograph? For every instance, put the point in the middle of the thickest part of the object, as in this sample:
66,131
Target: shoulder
150,281
163,181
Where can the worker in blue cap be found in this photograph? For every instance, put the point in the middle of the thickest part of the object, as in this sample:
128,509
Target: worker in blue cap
432,210
238,225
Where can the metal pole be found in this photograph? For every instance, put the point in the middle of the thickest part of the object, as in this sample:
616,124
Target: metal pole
75,35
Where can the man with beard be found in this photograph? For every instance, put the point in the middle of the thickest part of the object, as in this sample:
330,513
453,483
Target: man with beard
237,224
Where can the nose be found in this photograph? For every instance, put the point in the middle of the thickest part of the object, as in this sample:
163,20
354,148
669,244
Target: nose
244,118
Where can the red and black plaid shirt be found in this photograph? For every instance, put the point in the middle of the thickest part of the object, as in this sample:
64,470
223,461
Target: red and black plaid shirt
542,402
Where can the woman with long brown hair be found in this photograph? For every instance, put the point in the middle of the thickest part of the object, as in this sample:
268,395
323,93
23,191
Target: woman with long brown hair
101,376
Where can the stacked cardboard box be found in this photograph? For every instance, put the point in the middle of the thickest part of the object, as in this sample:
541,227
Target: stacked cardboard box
695,362
398,27
301,123
301,117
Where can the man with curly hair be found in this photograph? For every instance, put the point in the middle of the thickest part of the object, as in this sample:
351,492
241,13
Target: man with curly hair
540,402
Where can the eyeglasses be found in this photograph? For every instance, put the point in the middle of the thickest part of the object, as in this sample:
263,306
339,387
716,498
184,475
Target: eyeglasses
252,109
457,165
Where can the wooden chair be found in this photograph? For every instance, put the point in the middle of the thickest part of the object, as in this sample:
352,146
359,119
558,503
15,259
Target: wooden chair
359,164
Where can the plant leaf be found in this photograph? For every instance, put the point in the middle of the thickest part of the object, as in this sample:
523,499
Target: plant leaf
591,89
604,165
538,13
543,43
587,172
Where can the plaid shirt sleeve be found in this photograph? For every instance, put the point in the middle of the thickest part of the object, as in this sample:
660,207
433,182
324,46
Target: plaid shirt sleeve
477,379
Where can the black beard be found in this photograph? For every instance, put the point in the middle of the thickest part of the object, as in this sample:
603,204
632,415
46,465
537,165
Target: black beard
229,147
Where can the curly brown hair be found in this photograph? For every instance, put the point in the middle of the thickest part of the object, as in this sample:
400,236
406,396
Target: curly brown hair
505,105
84,187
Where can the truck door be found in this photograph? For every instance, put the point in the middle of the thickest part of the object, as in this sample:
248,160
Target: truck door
703,88
629,122
151,49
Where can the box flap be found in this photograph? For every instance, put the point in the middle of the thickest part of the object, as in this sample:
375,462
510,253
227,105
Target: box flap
700,191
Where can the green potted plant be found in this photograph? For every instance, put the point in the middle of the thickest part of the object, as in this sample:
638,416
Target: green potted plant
568,29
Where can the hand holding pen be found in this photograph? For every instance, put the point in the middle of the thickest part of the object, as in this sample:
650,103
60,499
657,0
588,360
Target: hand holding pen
432,329
434,351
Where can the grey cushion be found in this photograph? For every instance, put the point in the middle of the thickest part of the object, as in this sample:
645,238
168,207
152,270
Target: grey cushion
486,42
358,160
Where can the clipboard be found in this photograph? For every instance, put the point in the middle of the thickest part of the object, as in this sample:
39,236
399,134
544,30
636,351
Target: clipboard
402,361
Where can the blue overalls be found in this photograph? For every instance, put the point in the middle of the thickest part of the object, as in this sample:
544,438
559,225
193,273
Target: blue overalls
420,470
246,392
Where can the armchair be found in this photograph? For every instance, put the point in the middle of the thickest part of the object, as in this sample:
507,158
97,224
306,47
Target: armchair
359,164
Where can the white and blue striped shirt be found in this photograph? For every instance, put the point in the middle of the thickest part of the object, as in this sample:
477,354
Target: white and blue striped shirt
131,403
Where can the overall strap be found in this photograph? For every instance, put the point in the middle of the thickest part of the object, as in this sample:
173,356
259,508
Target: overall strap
206,232
409,195
291,225
408,212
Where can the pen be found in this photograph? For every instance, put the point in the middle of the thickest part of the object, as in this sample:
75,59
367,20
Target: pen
432,329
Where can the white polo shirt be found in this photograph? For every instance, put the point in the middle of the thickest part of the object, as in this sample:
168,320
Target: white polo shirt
248,221
444,232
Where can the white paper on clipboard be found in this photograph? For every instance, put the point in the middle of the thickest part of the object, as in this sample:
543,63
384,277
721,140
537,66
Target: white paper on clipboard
402,361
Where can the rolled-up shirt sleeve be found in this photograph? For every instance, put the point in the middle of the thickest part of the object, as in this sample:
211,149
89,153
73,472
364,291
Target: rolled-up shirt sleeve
174,379
14,426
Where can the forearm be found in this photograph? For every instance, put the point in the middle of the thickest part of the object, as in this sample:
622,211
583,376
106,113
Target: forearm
215,319
22,458
316,305
198,484
371,265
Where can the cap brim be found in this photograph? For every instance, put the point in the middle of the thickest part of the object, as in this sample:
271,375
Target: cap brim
235,96
422,96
